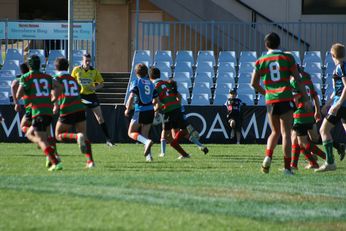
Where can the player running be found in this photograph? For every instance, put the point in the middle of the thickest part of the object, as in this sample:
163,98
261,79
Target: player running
37,87
72,112
337,110
144,95
275,68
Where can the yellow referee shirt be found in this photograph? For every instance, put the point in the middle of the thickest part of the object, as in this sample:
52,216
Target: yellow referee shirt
87,79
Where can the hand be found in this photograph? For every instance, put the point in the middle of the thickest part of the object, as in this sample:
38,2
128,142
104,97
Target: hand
334,109
317,116
17,107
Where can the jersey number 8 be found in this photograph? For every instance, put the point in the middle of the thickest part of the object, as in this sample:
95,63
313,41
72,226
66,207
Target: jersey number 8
274,71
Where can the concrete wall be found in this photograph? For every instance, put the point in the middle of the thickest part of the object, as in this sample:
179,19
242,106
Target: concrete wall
9,9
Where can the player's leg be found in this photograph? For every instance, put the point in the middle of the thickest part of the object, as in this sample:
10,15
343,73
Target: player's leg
314,137
232,124
295,149
286,121
81,129
163,142
193,136
145,129
305,149
178,123
99,117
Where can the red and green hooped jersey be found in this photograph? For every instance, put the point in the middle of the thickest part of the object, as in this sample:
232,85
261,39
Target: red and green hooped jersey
69,100
37,89
167,95
275,68
301,116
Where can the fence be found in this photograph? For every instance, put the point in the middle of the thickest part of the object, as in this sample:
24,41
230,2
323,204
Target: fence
47,35
217,36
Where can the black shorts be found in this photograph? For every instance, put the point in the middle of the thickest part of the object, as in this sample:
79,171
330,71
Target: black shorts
238,121
341,115
280,108
73,118
41,122
175,119
28,115
143,117
91,100
302,129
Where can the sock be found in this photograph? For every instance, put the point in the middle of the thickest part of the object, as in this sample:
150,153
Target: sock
49,152
269,153
328,146
25,129
178,136
163,145
138,137
196,141
308,156
317,151
179,149
104,129
89,154
287,162
65,136
295,155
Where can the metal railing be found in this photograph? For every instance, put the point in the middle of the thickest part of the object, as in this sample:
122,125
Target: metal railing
218,36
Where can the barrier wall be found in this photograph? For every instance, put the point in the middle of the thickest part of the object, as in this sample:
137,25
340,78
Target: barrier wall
210,121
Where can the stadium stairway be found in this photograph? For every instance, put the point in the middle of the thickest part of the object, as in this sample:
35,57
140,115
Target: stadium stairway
114,89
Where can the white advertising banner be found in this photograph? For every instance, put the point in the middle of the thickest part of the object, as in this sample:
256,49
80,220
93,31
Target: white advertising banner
2,30
48,30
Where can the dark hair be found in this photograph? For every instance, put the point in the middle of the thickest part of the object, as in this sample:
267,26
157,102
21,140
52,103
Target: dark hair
87,55
24,68
272,40
154,73
34,62
61,64
233,91
141,70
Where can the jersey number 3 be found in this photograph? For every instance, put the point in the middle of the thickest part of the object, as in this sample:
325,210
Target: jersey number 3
41,86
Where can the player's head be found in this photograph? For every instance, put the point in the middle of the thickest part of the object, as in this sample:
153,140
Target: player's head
61,64
338,51
86,61
141,70
272,41
154,73
34,62
24,68
233,93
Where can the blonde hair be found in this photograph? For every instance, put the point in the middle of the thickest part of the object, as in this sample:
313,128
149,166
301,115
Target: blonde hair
338,51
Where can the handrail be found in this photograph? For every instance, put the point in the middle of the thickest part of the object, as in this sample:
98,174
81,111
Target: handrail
275,24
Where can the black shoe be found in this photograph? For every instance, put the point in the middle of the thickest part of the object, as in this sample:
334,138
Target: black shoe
109,143
341,151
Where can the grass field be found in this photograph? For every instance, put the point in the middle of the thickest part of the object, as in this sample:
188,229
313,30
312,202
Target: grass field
223,190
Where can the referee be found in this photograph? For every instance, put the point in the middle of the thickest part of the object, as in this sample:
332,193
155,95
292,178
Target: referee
91,80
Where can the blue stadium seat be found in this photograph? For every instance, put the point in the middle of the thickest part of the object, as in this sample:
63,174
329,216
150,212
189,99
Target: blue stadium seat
7,74
141,56
316,78
53,54
223,88
183,88
312,56
184,98
227,56
205,67
245,88
4,98
204,77
246,67
220,99
200,99
330,67
226,67
318,88
15,54
329,79
328,58
164,66
165,75
39,53
183,67
313,67
5,86
184,56
12,65
202,88
182,77
261,101
328,90
50,66
225,77
244,78
163,56
247,56
206,56
296,56
248,99
77,63
78,54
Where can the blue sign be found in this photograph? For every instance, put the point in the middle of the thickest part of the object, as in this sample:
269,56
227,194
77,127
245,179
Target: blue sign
2,30
49,30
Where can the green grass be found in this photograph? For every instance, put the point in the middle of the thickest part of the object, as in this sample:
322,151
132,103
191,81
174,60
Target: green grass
223,190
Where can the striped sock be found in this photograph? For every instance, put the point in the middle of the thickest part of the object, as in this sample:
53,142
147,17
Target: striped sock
317,151
295,155
49,152
65,136
88,154
309,156
269,153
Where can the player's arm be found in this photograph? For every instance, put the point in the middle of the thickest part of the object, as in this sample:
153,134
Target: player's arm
57,89
98,82
14,90
255,82
317,115
129,104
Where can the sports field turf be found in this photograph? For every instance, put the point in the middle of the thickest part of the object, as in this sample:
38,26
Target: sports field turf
223,190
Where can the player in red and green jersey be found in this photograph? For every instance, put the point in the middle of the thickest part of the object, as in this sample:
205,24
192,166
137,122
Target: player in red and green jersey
275,68
37,87
304,124
72,111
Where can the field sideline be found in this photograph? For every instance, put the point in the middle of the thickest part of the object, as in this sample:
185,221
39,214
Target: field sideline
223,190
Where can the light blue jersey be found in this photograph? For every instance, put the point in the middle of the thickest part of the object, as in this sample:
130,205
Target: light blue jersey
338,75
145,91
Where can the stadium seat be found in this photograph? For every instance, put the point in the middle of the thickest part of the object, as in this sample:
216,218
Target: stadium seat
328,90
184,56
204,77
183,67
227,56
50,66
4,98
14,54
328,58
39,53
261,101
182,77
220,99
246,67
164,66
318,88
53,54
316,78
7,74
184,99
206,56
329,79
200,99
183,88
78,54
205,67
247,56
245,88
248,99
313,67
223,88
12,65
77,63
163,56
5,86
165,75
225,77
226,67
201,88
142,56
312,56
244,78
330,67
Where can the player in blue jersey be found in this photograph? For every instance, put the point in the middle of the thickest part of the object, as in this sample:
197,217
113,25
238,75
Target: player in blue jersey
337,110
144,95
